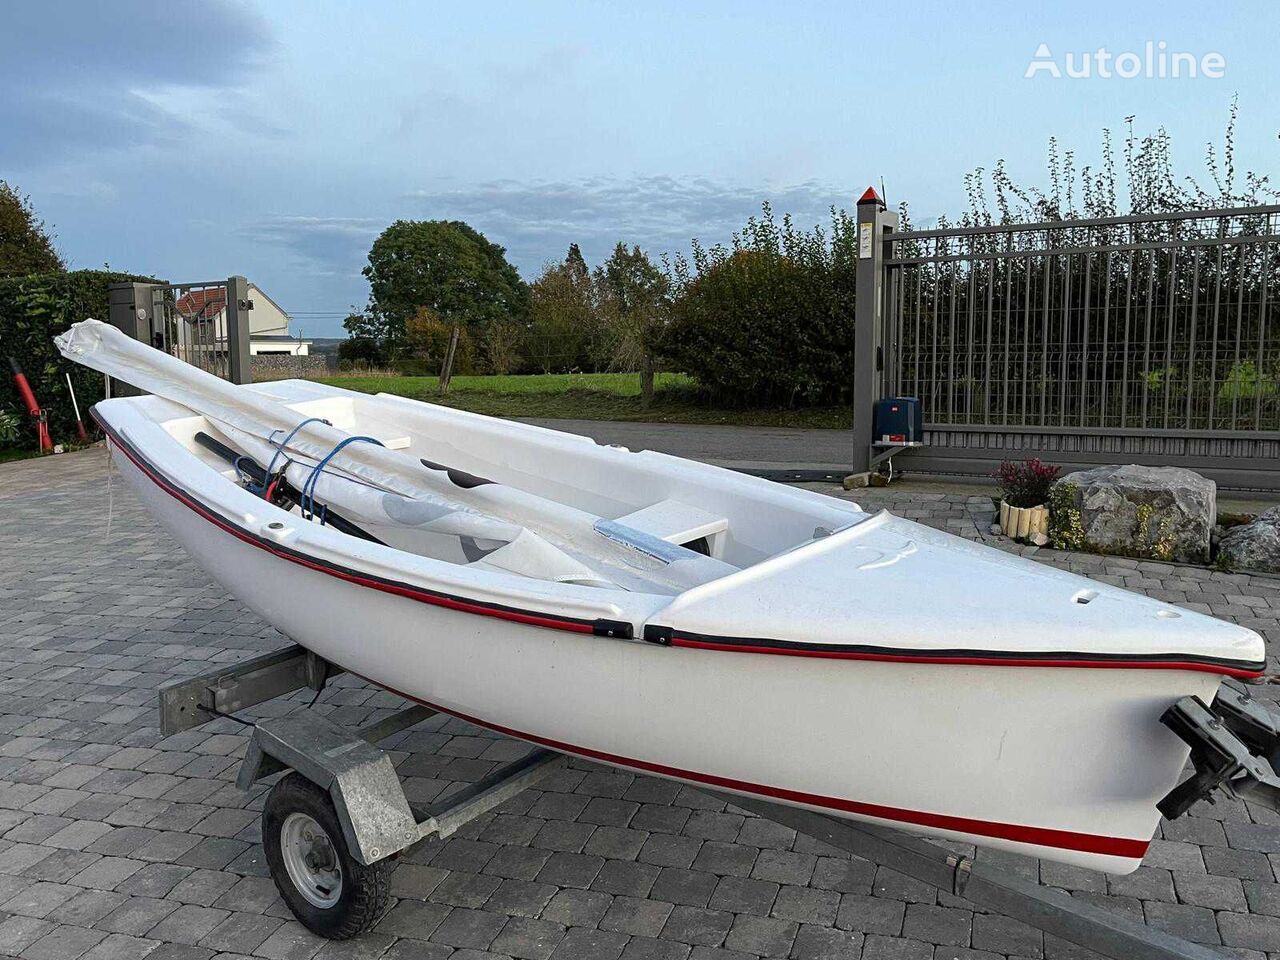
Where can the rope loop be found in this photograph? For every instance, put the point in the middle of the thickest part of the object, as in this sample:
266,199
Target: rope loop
269,477
307,501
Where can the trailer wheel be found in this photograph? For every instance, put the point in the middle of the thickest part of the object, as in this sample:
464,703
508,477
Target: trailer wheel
328,890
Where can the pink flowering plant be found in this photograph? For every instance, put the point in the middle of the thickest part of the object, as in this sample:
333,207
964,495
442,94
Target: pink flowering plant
1025,484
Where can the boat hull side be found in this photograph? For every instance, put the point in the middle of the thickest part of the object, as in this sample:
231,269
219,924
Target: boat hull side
1053,762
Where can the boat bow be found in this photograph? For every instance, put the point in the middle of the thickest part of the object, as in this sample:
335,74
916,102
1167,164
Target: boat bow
885,588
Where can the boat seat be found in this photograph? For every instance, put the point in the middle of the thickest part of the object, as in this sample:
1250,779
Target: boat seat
676,522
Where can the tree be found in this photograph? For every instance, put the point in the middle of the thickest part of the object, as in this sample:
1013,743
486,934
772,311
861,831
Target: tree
634,302
367,338
25,244
563,321
426,340
501,346
448,267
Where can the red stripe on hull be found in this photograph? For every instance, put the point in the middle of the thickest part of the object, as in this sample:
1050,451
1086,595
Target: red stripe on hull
1018,833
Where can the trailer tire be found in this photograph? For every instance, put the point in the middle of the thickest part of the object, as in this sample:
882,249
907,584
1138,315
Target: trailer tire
328,890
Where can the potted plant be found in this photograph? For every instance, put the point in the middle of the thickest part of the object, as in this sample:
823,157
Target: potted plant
1024,495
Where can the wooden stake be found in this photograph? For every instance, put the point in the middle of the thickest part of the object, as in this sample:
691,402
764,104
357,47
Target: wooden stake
446,372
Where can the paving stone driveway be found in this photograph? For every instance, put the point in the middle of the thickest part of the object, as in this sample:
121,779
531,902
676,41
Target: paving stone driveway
117,844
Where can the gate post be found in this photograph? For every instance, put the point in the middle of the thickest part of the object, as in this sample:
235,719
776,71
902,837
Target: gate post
238,307
131,309
874,223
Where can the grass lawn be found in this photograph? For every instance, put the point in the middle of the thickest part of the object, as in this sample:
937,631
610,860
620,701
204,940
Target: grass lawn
17,453
588,396
9,454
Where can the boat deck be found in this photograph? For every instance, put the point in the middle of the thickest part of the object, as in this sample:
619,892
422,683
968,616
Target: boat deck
113,840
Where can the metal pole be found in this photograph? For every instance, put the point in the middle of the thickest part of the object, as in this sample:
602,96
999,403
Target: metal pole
868,334
238,307
1103,931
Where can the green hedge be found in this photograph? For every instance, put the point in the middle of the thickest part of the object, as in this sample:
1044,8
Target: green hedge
769,321
33,309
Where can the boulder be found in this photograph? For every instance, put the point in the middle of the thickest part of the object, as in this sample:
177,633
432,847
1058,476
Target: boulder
1161,513
1253,546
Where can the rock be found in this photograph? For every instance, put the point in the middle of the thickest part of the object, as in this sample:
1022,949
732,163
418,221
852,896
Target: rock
856,481
1253,546
1161,513
1040,539
996,530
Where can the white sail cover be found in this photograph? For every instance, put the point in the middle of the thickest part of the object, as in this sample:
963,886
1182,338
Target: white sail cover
536,537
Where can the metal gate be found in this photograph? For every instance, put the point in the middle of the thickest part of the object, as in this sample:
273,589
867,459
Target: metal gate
203,324
1146,339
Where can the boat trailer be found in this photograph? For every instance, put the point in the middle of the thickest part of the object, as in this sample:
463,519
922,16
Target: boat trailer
332,826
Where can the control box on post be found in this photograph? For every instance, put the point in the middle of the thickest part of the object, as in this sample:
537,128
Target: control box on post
898,422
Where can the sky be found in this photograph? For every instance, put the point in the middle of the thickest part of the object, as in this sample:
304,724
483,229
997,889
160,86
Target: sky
276,139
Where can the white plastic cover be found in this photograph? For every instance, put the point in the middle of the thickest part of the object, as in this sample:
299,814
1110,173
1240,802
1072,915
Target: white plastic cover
544,538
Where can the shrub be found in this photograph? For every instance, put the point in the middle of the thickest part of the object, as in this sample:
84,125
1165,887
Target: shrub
1025,484
1245,382
33,309
355,351
769,320
426,342
10,425
1066,527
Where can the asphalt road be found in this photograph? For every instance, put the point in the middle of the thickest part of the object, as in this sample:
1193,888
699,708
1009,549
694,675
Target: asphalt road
724,445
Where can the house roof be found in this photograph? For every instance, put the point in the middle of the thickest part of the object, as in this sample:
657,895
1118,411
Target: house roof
275,338
253,287
207,302
203,304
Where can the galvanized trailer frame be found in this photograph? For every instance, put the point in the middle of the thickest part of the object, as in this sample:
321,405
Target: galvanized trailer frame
378,821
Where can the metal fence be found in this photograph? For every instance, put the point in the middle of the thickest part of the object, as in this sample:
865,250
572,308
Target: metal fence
205,324
1154,338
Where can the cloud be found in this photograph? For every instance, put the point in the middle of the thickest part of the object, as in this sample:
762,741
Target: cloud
538,221
81,78
326,245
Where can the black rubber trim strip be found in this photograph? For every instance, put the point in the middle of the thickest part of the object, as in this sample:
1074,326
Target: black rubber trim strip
665,635
654,633
619,629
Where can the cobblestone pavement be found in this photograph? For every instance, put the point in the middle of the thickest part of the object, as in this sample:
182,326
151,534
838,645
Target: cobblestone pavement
117,844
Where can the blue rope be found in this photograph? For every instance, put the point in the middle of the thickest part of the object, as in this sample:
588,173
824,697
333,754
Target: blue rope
266,480
307,500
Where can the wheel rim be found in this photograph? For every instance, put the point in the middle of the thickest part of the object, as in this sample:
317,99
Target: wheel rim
311,860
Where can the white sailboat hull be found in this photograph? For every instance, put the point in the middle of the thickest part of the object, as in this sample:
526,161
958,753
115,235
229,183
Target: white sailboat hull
1065,763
